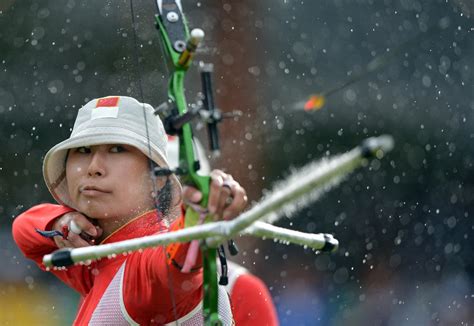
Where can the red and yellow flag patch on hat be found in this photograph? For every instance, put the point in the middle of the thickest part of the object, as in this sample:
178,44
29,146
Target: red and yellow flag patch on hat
107,102
106,107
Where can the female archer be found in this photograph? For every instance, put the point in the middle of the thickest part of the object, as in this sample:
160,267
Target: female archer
100,176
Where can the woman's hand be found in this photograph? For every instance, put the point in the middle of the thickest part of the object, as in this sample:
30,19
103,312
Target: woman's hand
80,231
227,198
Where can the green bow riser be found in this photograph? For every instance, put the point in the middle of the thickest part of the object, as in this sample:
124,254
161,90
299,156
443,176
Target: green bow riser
187,156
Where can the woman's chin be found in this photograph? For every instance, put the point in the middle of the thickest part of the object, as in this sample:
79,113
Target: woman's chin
96,212
100,211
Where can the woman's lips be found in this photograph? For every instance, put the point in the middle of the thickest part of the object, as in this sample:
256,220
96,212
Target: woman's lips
92,191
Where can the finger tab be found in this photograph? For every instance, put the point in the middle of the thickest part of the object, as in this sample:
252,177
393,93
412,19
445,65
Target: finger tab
74,228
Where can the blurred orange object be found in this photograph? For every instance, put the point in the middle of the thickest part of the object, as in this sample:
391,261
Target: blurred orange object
315,102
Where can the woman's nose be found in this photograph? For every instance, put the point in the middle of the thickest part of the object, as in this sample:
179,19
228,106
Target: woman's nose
96,164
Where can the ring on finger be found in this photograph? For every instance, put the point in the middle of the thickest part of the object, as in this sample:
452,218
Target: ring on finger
228,184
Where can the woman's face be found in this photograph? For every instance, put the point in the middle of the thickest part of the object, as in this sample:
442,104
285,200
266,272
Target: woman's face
109,181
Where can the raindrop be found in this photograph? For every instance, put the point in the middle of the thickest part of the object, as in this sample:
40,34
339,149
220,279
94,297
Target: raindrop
341,275
451,222
350,96
426,81
255,71
43,13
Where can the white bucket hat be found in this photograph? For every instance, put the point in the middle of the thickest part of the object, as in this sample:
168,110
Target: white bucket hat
109,120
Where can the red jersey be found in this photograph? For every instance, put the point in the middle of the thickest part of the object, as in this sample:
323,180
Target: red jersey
251,301
136,289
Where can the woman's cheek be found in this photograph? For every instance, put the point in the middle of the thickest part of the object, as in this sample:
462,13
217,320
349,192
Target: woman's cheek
72,175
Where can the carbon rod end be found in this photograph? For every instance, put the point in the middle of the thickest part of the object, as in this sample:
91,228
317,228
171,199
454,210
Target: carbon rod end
371,147
331,244
59,258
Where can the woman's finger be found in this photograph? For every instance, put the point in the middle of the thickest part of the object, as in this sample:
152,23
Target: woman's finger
237,204
80,223
60,242
192,194
77,229
76,241
215,188
225,198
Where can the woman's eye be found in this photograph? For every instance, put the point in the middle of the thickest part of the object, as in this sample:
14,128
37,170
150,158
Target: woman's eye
117,149
83,150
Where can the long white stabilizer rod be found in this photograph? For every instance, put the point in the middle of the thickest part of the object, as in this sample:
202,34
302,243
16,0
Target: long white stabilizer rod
300,189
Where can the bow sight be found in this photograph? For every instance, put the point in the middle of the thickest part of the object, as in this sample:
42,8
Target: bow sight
204,110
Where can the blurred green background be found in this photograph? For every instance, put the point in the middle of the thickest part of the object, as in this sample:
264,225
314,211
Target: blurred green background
404,223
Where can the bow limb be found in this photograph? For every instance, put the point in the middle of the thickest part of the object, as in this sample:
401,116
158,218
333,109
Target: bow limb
178,45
